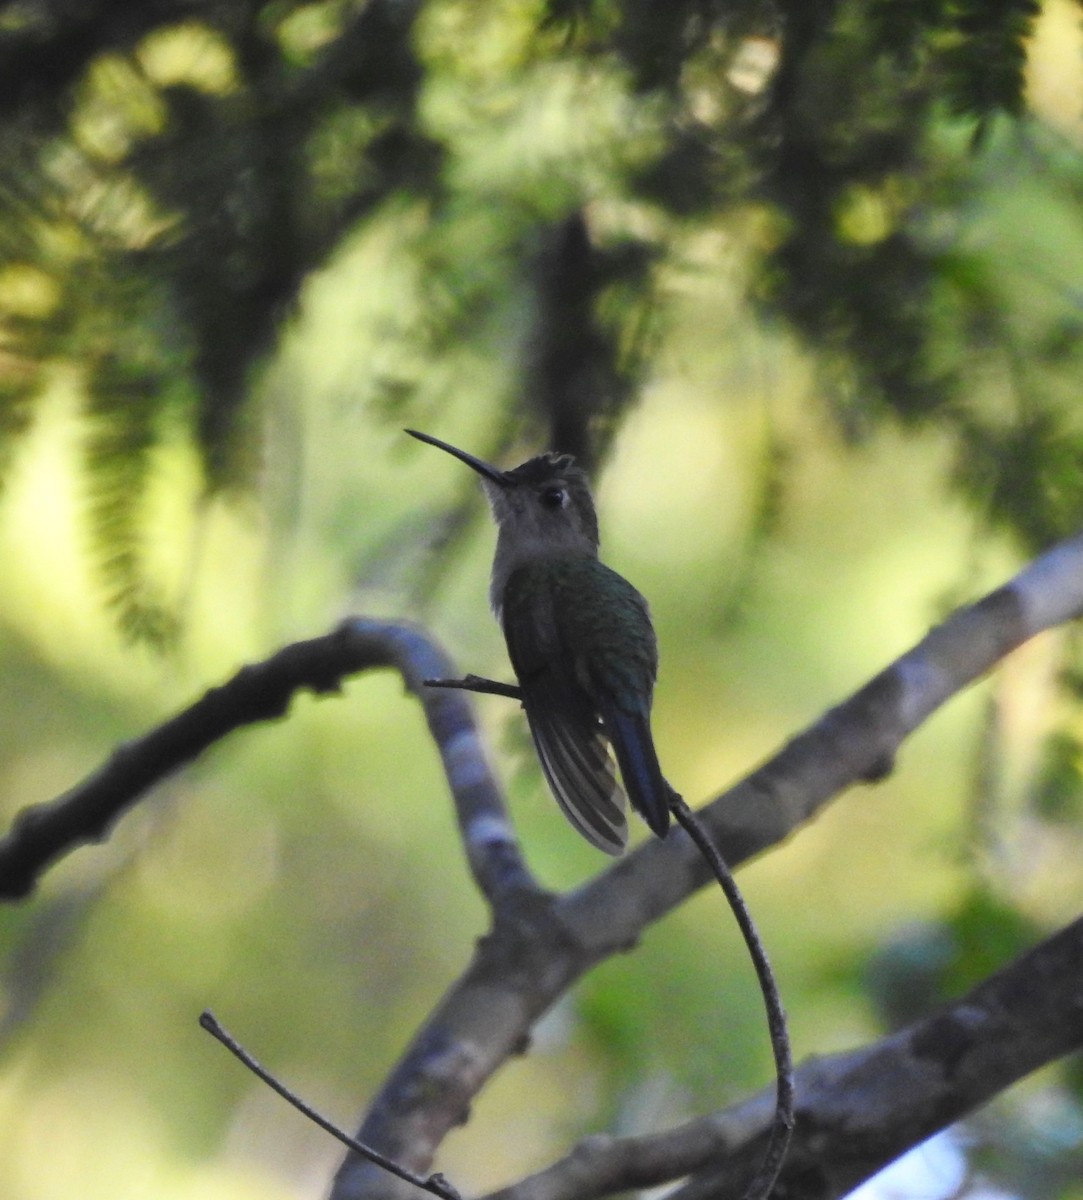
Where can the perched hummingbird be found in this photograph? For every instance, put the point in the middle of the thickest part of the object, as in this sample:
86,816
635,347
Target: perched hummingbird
580,641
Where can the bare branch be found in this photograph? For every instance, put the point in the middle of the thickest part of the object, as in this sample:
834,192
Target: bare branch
540,945
762,1183
262,692
477,683
856,1111
533,956
601,1165
437,1185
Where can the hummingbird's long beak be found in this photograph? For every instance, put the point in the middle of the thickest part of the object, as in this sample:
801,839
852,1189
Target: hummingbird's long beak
479,464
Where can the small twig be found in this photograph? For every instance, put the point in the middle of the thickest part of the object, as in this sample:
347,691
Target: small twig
782,1125
437,1184
478,683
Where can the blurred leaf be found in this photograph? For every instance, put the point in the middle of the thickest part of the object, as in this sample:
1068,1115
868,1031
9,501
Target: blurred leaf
121,437
1058,789
988,932
907,976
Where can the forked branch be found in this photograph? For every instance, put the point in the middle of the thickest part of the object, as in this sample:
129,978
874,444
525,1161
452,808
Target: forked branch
540,945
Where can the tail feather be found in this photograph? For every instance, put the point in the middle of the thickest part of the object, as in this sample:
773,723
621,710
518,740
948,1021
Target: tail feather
647,789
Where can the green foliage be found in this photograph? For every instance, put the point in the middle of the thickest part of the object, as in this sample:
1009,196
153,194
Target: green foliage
199,172
983,55
169,200
924,964
1058,791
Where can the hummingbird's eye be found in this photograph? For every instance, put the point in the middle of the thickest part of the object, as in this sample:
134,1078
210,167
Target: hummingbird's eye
554,497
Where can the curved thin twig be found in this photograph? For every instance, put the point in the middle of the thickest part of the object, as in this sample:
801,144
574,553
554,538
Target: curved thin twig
759,1187
478,683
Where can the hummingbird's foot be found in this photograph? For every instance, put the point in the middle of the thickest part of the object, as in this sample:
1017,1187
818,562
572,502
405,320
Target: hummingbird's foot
478,683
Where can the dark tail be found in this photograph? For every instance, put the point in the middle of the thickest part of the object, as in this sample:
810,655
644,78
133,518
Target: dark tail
647,789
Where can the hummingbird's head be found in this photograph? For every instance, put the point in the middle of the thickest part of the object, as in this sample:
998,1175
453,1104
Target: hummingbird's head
543,507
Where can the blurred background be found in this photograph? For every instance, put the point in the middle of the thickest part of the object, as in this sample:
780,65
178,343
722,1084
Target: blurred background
800,284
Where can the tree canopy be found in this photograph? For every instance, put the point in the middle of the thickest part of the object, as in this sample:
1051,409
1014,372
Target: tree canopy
173,174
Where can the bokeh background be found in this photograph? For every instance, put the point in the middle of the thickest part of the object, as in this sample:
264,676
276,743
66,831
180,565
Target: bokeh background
804,291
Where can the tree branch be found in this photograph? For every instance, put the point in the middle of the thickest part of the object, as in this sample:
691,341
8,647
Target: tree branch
539,944
437,1185
262,692
782,1123
526,963
859,1110
477,683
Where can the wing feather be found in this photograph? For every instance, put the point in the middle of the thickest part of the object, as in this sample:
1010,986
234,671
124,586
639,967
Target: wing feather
563,721
580,773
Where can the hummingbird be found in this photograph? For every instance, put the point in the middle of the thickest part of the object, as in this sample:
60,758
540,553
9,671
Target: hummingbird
581,643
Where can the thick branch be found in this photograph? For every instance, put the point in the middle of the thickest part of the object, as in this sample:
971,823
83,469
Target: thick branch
540,946
860,1111
263,692
856,1111
526,964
